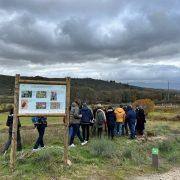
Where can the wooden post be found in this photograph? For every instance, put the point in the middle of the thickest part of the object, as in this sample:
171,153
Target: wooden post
155,159
66,124
15,124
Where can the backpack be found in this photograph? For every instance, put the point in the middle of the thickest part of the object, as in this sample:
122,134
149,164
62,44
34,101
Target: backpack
101,119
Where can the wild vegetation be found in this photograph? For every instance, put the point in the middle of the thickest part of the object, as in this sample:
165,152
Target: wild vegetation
93,91
99,159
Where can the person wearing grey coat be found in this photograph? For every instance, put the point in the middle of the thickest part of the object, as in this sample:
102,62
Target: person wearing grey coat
75,118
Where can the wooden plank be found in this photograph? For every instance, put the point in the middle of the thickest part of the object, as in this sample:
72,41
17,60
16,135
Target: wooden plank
66,124
47,115
24,81
155,161
15,125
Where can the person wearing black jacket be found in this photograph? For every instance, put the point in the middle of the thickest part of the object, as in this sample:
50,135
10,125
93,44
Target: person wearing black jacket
111,122
9,123
40,123
141,120
86,119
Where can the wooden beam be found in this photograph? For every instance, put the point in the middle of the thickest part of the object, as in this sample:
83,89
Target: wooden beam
66,124
15,124
47,115
24,81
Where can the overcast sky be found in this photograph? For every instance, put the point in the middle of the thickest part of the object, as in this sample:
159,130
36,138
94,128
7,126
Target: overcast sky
132,41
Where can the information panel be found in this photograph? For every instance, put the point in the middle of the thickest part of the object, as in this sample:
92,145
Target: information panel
42,99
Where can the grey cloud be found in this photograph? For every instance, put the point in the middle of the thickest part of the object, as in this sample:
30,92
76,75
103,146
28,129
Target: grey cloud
144,34
127,33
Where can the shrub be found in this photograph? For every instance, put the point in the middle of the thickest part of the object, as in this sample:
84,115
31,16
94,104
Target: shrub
103,147
165,146
147,104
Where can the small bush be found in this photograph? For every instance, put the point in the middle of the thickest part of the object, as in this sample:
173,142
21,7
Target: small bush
103,147
147,104
165,146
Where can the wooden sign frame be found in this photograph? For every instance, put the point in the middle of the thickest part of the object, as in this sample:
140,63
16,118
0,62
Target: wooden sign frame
19,81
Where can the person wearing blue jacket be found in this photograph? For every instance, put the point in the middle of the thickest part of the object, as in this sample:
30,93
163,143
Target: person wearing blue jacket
131,118
86,119
40,123
111,122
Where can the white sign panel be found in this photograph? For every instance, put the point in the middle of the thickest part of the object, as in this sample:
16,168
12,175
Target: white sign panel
42,99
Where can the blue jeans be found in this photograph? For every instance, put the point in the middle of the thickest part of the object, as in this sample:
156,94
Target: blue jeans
132,128
119,128
76,131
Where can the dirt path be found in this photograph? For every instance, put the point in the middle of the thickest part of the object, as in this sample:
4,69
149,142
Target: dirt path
173,174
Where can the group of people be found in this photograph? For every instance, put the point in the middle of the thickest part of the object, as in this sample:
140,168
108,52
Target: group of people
40,123
117,122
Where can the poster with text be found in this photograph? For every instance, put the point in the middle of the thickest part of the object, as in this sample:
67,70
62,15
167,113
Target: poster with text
42,99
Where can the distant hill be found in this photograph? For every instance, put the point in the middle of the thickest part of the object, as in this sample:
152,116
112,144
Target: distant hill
93,91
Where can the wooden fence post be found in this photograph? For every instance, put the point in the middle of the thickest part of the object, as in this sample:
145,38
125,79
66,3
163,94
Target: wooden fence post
15,124
155,159
66,124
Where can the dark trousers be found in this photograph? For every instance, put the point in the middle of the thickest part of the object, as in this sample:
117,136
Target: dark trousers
100,129
111,131
8,143
126,128
132,128
85,131
76,131
39,142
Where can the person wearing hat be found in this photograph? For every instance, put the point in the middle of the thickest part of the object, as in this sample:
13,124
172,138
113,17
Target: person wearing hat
100,118
86,119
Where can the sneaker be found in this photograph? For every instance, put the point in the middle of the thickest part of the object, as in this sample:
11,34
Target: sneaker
35,150
72,145
83,143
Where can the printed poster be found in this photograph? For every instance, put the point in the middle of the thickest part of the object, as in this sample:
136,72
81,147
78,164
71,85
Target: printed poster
42,99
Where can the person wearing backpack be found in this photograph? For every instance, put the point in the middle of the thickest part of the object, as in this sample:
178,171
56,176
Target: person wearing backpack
9,123
100,118
111,122
86,120
40,123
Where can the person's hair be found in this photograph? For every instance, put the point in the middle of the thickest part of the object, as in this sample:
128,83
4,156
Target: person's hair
121,106
11,111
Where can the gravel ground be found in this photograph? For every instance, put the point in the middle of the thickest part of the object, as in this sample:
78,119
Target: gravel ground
173,174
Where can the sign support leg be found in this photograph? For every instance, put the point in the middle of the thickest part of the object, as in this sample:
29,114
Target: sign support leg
15,125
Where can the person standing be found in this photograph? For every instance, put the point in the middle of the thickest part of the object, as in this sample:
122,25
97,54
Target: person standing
86,119
75,118
9,123
131,117
120,118
125,126
111,122
141,120
100,118
40,123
